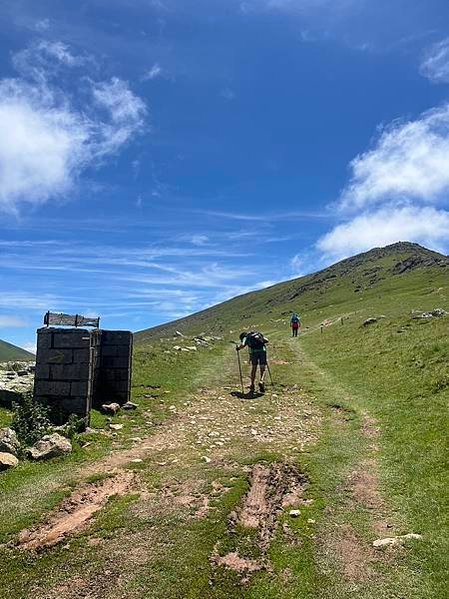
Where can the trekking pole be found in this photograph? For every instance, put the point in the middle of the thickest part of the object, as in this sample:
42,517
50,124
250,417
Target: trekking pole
240,367
269,374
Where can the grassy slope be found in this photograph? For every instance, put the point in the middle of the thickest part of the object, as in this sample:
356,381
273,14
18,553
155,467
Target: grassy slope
395,369
11,352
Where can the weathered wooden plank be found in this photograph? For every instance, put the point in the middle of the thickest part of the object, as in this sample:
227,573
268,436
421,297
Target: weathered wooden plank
70,320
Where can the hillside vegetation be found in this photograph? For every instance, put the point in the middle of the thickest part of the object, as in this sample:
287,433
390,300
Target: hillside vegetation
9,352
351,436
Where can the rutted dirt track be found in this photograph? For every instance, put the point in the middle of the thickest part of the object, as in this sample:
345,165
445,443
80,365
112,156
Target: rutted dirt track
75,512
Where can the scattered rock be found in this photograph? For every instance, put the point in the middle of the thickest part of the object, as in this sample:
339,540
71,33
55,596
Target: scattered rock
436,313
294,513
178,334
129,405
137,461
110,408
311,521
206,459
9,443
7,461
369,321
394,541
50,446
116,427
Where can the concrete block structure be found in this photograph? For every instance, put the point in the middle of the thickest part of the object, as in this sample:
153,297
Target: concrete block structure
77,369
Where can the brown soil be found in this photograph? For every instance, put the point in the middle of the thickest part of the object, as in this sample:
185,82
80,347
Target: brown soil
75,512
239,564
363,484
354,555
272,489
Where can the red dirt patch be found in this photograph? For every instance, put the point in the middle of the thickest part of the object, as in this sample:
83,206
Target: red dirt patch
75,512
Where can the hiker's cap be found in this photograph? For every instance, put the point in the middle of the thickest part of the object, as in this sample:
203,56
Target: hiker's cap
242,336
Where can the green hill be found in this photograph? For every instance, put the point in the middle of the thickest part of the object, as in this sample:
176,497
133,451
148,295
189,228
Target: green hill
10,352
354,283
218,494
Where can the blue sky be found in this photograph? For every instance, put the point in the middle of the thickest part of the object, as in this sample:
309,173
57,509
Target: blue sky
159,156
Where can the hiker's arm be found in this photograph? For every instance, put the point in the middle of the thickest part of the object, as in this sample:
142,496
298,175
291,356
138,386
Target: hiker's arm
239,347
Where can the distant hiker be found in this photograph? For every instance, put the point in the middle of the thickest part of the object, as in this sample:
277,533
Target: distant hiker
256,344
295,323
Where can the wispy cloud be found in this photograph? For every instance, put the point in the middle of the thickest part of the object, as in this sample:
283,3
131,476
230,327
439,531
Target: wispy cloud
9,321
155,72
47,138
435,64
269,216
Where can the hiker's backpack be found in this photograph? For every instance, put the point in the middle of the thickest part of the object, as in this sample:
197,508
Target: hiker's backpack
295,318
255,340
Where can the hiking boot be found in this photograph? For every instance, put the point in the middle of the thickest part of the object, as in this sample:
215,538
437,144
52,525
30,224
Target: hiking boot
262,387
251,390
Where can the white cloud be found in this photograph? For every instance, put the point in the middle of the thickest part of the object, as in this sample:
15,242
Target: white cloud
425,225
410,160
227,94
435,65
12,321
154,73
297,264
45,142
42,25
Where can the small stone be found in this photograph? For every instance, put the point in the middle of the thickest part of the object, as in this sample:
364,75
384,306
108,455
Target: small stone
136,439
110,408
392,541
129,405
137,461
116,427
206,459
387,542
294,513
311,521
7,461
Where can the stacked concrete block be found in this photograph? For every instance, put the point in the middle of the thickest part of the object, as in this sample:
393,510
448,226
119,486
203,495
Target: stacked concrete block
114,382
77,369
63,378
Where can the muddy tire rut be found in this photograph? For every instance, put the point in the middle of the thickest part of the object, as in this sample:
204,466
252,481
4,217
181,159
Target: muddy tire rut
273,489
75,513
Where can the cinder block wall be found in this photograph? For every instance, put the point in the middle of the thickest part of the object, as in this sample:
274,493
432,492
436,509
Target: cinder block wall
114,380
77,369
63,378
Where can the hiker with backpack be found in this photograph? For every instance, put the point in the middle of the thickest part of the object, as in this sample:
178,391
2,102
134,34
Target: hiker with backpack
256,344
295,323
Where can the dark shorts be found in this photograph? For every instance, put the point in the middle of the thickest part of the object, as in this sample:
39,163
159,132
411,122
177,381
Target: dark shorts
259,358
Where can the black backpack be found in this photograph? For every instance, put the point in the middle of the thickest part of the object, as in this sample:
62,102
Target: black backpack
255,340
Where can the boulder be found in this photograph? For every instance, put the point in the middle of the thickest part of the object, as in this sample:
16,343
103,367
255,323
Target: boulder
110,408
50,446
9,443
7,461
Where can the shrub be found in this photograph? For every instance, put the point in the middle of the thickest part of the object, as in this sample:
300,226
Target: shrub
30,420
74,426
